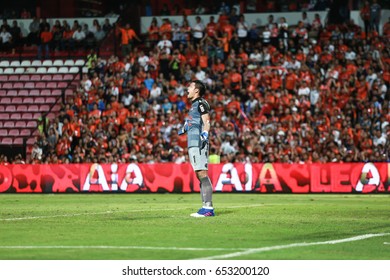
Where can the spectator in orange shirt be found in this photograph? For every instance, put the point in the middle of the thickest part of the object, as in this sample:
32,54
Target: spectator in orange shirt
127,39
46,38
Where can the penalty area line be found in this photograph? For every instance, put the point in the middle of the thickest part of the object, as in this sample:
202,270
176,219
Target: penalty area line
293,245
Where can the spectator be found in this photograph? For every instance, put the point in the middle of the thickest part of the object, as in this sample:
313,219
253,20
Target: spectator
17,36
33,35
107,26
78,38
375,15
6,40
127,39
46,40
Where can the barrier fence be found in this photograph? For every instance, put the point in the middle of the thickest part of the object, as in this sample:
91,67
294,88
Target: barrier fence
180,178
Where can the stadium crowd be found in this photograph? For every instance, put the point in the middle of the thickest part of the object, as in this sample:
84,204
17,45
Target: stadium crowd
306,92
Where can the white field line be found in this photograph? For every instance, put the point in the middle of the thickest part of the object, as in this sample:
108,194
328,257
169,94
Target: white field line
386,243
120,247
293,245
127,211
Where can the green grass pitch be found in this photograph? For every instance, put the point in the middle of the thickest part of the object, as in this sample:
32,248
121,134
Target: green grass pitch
158,226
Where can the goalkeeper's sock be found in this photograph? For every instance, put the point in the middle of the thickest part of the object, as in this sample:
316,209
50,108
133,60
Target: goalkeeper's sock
207,192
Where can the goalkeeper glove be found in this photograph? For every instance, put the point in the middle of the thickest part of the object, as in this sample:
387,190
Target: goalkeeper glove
183,129
204,138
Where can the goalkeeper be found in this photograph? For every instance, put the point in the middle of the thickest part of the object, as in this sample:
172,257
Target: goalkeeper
197,127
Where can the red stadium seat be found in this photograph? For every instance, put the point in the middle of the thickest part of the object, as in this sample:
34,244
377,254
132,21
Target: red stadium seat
13,132
14,78
35,78
33,108
23,108
18,141
23,92
39,100
29,85
6,141
5,100
10,108
25,132
9,124
46,77
18,85
40,85
4,116
26,116
45,92
3,132
20,124
24,78
50,100
15,116
44,108
17,100
3,78
28,100
12,93
34,92
31,124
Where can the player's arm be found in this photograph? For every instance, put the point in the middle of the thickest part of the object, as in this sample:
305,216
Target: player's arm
206,122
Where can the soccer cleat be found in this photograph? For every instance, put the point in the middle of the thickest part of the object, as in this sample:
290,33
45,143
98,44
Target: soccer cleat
203,212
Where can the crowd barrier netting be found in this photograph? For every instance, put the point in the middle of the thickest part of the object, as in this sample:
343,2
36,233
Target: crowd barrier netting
180,178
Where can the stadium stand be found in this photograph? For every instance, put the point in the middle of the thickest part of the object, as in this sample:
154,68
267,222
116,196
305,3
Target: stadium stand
313,93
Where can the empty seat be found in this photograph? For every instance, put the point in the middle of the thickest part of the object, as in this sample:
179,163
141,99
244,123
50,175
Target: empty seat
36,63
46,77
10,108
28,100
52,85
74,69
56,108
18,140
25,132
13,132
58,62
39,100
17,100
21,124
46,92
22,108
57,77
3,93
27,116
14,63
33,108
6,141
8,71
35,78
4,116
4,63
23,92
63,70
50,100
42,70
68,77
47,62
40,85
69,62
13,78
11,93
56,92
15,116
25,63
18,85
3,132
62,84
24,78
9,124
5,100
34,92
19,70
52,70
29,85
3,78
30,70
44,108
31,124
2,108
7,86
79,62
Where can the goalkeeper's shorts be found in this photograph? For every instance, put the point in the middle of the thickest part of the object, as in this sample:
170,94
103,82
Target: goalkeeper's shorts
199,157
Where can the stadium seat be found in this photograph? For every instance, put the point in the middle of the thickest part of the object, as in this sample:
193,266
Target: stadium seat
46,77
24,78
58,62
3,93
74,70
52,70
13,132
42,70
29,85
44,108
33,108
7,86
79,62
18,141
26,116
11,93
19,70
69,62
1,71
15,116
57,77
28,100
56,92
63,70
52,85
14,63
36,63
6,141
20,124
4,63
4,116
35,78
17,100
23,92
10,108
39,100
34,92
51,116
31,124
3,132
62,84
13,78
41,85
23,108
25,132
45,92
18,85
2,108
8,70
50,100
25,63
68,77
47,62
9,124
3,78
30,141
30,70
5,100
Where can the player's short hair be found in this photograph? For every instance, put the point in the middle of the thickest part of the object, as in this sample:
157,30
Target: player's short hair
200,86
